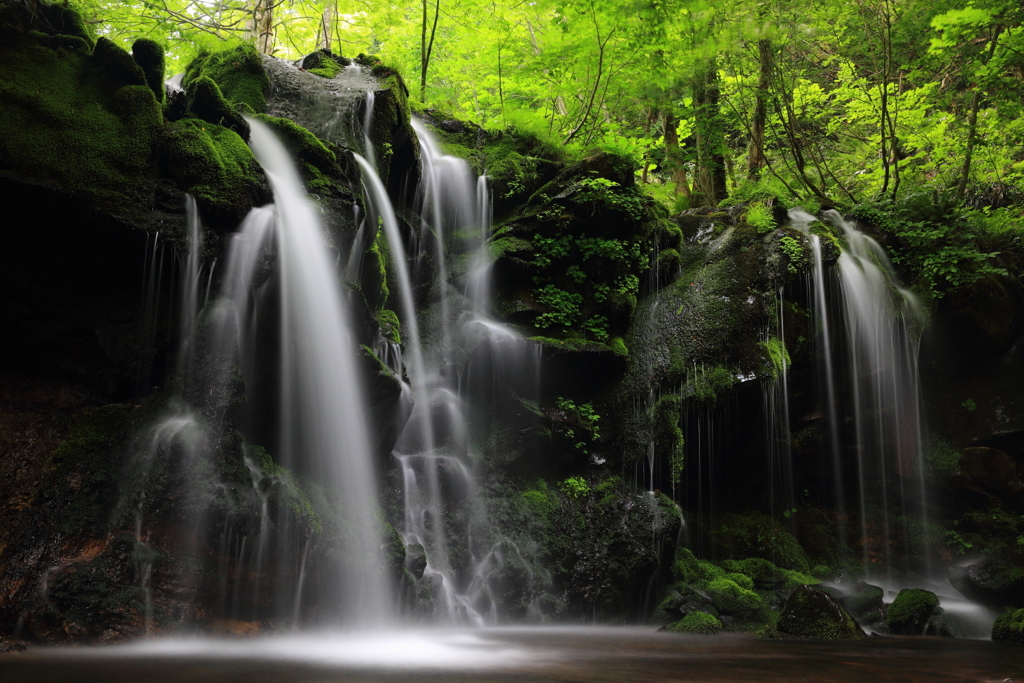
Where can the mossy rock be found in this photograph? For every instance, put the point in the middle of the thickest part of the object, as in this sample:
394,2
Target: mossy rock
909,613
204,100
758,535
812,613
765,576
1009,627
82,123
237,72
697,623
215,166
860,599
149,55
994,583
729,597
318,164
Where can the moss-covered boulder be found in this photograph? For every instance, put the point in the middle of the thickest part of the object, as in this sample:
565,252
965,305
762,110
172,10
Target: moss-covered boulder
1009,627
149,55
697,623
757,535
812,613
205,101
239,74
860,599
214,165
766,576
76,119
909,613
729,597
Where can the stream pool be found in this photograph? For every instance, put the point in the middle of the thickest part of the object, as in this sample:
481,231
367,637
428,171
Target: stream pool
520,654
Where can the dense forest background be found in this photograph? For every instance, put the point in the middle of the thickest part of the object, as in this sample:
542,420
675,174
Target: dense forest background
908,112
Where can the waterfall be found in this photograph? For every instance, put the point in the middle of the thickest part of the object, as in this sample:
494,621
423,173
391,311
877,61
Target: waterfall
434,453
875,385
323,424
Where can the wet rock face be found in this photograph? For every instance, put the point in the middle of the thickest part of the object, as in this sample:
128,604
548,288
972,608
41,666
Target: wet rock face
992,469
812,613
993,583
909,613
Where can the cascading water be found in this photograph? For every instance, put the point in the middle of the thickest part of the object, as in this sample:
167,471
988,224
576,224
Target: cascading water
876,388
323,427
434,452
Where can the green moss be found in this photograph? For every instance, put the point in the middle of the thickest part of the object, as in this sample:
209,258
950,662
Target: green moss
1009,626
741,580
373,280
909,613
149,55
757,535
286,489
328,68
91,458
84,124
765,574
59,19
697,623
116,63
618,346
686,568
390,326
238,72
707,384
213,164
778,356
318,164
205,101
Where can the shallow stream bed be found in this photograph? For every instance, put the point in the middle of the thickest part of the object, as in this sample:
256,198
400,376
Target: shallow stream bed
520,654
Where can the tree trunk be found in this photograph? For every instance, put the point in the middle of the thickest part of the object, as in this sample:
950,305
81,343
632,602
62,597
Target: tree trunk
326,24
755,155
709,184
674,156
261,25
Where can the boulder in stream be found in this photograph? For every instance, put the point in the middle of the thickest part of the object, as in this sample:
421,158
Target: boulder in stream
909,613
813,613
993,583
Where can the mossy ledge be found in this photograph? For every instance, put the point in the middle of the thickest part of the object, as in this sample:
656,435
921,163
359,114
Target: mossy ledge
76,119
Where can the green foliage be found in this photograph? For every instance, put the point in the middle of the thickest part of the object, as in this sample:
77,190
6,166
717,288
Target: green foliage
586,417
760,217
608,192
575,487
794,252
697,623
935,242
564,307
